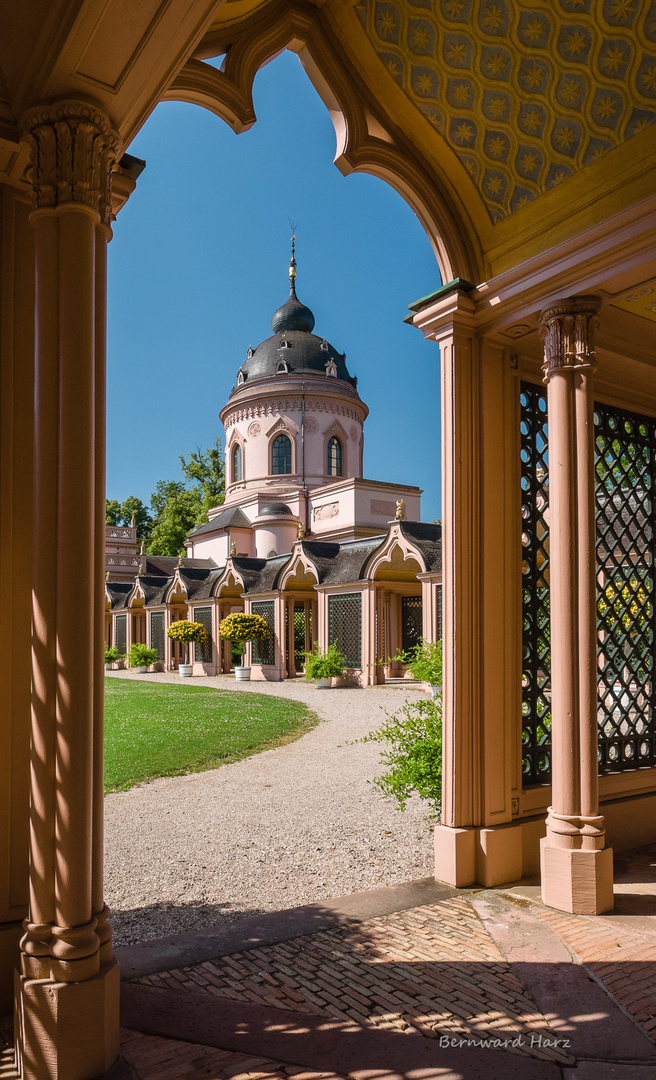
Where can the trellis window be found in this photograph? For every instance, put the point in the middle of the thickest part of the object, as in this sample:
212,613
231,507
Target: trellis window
334,457
264,652
157,638
625,512
281,455
203,649
345,626
411,622
121,634
237,458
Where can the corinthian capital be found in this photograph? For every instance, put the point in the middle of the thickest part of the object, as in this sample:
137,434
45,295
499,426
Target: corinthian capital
567,329
74,151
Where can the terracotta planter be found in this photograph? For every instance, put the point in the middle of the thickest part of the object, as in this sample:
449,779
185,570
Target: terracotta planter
185,670
242,674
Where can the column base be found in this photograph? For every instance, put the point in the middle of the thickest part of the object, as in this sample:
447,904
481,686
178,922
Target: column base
580,882
67,1031
483,856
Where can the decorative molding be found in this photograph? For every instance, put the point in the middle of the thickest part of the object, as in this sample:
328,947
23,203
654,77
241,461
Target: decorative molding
567,329
639,300
328,510
74,151
283,408
524,97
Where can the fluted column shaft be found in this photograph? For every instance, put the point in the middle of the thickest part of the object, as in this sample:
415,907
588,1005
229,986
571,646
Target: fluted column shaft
574,826
67,936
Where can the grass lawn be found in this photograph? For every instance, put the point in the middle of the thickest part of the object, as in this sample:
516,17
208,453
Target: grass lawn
163,730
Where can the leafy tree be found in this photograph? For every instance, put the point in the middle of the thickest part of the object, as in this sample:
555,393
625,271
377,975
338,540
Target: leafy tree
177,509
206,470
117,513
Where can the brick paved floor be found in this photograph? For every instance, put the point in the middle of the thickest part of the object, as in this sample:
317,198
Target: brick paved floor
433,970
621,956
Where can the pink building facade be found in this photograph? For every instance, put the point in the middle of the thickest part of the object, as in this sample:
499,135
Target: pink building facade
302,539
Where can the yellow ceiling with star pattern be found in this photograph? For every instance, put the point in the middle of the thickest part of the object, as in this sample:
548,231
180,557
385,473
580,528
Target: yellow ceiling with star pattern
526,92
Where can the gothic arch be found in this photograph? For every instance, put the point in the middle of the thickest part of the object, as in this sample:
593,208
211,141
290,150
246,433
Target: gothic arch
366,140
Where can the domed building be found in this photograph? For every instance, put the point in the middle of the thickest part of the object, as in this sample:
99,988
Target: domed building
302,539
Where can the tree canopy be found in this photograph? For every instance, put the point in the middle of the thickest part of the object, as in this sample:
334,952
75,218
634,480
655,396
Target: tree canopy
177,505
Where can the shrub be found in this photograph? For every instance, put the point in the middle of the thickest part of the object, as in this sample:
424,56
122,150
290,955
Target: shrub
424,662
414,758
240,627
141,656
111,654
327,665
185,631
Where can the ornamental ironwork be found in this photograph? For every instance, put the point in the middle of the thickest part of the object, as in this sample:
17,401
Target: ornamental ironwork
625,513
121,634
411,626
264,651
157,637
345,626
203,649
625,468
536,654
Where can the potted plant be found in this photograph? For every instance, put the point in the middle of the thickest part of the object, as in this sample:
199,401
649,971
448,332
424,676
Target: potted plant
324,666
424,663
185,632
141,657
239,628
111,656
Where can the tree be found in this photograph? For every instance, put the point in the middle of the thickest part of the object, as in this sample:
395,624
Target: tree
177,509
117,513
206,470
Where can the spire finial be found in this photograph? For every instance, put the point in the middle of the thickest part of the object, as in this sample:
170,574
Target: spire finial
292,262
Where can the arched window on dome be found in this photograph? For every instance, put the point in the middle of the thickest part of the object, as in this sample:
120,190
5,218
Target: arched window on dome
237,464
334,457
281,455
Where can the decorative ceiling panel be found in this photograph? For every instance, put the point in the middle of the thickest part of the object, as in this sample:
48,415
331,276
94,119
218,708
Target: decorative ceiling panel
525,93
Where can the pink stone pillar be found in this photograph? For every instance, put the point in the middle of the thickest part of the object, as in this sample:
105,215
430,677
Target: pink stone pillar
67,990
577,870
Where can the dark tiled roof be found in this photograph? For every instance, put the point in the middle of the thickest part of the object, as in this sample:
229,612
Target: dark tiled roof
352,559
118,593
156,565
428,538
154,587
232,517
199,581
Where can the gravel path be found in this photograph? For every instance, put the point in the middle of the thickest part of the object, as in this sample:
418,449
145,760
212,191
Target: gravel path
288,826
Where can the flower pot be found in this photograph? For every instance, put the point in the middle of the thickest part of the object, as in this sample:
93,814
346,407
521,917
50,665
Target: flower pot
242,674
324,683
185,670
436,689
108,667
142,669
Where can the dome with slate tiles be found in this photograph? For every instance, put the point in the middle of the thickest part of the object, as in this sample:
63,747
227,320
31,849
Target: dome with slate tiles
294,349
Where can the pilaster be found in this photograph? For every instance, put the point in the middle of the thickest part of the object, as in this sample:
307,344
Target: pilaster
68,982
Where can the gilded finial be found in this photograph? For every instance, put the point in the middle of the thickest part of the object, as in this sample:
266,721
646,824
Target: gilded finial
107,576
142,549
233,549
292,263
400,510
301,531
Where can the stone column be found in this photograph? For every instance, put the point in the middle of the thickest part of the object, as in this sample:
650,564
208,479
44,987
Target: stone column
577,871
67,990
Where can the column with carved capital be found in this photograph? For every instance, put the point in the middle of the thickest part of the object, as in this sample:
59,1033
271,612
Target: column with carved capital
577,870
67,990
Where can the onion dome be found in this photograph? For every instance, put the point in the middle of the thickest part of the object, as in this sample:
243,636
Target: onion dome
293,350
293,315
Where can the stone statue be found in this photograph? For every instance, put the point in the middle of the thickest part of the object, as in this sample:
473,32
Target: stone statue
400,510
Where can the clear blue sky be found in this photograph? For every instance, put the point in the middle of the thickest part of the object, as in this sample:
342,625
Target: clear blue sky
198,265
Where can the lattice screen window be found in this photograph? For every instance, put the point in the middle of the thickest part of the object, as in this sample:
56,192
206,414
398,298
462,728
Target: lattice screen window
536,653
157,640
264,651
440,616
625,466
345,626
121,634
203,649
625,485
410,622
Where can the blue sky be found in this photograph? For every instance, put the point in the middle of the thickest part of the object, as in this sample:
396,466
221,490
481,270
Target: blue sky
198,265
